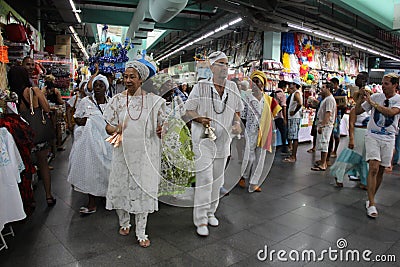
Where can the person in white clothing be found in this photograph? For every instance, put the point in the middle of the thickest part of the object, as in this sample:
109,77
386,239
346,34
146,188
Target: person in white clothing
381,132
135,118
325,121
294,116
259,111
213,103
89,147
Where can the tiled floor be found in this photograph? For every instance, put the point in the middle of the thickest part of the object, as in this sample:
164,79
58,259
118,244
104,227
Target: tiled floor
298,209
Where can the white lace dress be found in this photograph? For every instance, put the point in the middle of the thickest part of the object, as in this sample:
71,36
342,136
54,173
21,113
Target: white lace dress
135,168
90,157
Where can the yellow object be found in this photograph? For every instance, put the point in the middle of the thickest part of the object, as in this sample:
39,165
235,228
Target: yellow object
286,62
270,110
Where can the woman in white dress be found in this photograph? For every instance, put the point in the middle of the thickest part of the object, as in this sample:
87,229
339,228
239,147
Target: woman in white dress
136,119
90,157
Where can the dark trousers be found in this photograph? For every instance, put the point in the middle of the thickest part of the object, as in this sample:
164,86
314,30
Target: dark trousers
280,124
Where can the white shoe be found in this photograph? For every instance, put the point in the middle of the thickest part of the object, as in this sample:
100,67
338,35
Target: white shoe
202,230
213,221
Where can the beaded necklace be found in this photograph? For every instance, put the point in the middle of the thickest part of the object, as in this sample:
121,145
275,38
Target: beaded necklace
127,107
225,101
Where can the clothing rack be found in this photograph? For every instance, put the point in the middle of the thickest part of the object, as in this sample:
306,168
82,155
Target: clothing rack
4,244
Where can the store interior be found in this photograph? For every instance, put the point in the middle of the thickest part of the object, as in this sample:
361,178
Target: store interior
313,41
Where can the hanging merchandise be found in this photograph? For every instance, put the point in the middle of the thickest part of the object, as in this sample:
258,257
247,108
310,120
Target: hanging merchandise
111,57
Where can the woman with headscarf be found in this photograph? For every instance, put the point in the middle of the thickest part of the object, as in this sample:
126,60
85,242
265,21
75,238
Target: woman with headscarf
90,157
259,112
18,79
135,119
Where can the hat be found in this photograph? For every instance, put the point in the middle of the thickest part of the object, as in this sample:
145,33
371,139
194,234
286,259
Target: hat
217,55
297,81
260,75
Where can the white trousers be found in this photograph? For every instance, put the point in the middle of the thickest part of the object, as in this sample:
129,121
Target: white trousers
140,222
209,179
254,160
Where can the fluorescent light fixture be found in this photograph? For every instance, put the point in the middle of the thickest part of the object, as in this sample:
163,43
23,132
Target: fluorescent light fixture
359,46
221,28
299,27
78,18
322,34
233,22
79,42
372,51
343,40
382,70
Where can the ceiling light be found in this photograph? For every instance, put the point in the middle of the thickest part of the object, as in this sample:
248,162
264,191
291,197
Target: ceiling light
298,27
322,34
359,46
78,18
221,28
201,38
79,42
343,40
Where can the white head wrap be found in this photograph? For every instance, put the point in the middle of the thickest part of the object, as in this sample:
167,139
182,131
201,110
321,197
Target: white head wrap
140,67
81,83
101,78
217,55
87,92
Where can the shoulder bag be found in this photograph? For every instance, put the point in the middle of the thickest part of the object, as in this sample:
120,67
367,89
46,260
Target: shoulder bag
39,121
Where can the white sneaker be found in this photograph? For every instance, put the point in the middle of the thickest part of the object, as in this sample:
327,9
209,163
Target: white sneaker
202,230
213,221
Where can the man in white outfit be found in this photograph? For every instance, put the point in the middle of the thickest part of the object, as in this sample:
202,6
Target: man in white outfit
215,103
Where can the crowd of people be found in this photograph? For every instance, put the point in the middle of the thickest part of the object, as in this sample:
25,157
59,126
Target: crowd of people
153,139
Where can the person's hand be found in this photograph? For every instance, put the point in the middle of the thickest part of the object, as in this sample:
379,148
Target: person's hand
351,145
291,113
203,120
159,131
236,128
367,96
320,130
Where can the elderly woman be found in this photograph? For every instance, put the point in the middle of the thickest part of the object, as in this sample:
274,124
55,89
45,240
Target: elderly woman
135,118
259,112
89,147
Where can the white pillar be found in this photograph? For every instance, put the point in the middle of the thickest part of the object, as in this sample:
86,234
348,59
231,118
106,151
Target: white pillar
272,46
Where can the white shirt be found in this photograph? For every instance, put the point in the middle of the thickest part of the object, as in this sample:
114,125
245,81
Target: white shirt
293,106
327,104
205,100
380,126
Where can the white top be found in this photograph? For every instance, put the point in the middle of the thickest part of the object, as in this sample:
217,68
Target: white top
90,156
252,112
11,164
135,168
205,100
380,126
293,106
362,119
327,104
71,101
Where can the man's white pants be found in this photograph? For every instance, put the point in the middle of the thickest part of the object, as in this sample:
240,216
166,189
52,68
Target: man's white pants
209,179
